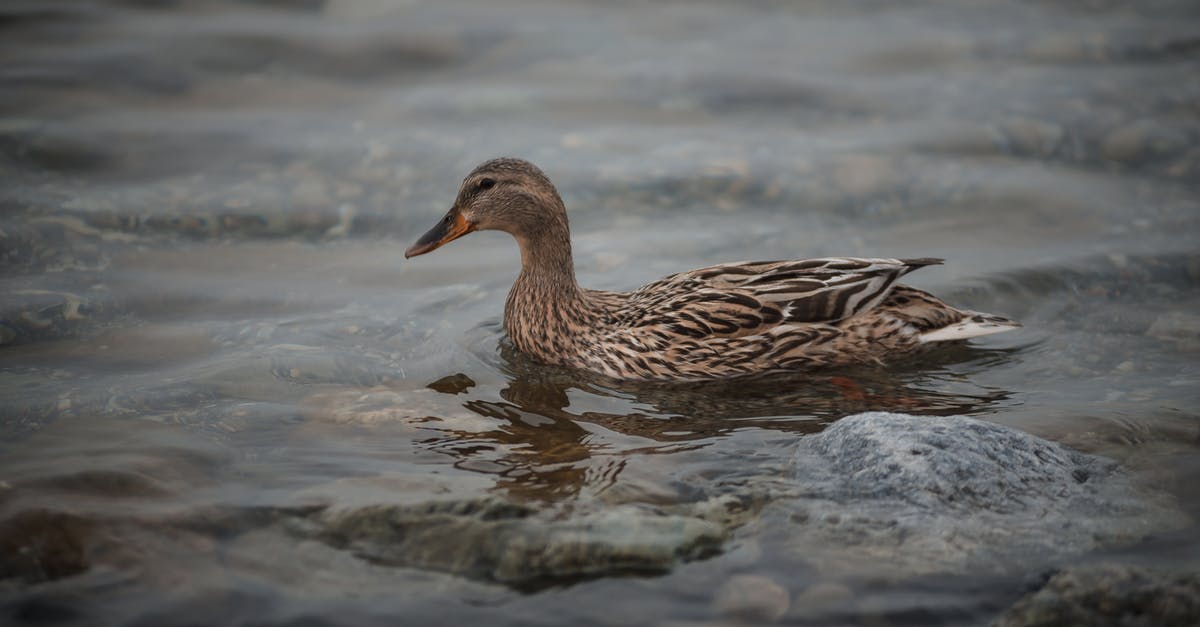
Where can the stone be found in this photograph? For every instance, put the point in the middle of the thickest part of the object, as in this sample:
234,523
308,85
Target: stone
883,492
1178,327
458,383
1109,594
1138,140
42,545
751,598
497,540
1026,136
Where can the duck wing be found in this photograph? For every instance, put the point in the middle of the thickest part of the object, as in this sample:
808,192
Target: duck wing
737,299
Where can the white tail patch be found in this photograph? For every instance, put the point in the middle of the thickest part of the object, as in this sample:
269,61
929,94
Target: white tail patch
976,325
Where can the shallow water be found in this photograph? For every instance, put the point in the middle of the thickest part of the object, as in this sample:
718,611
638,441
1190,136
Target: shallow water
209,325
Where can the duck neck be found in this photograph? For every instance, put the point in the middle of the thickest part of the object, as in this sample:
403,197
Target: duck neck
545,302
546,262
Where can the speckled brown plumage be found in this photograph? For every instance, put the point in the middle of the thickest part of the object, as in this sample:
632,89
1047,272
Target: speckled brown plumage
715,322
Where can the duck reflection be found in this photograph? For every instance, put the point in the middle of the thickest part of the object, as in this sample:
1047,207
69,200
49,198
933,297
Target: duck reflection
543,448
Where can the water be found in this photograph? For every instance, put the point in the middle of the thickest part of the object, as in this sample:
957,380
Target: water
209,324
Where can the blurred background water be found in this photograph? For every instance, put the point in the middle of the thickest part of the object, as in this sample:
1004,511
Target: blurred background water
208,325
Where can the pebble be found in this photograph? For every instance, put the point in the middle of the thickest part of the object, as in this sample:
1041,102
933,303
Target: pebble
752,598
1138,140
458,383
1109,594
1033,137
1181,328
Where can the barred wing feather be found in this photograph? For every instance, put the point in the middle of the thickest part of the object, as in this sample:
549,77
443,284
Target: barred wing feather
738,299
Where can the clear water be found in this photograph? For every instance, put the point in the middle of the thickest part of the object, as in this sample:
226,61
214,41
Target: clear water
208,318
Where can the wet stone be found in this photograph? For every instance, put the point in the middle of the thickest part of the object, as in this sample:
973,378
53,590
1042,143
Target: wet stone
382,406
109,484
1138,140
453,384
1031,137
40,314
751,598
42,545
885,491
1109,594
1177,327
497,540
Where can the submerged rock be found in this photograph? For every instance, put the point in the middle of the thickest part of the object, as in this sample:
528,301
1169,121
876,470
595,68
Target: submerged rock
500,541
458,383
1177,327
42,545
1109,594
38,314
916,494
751,599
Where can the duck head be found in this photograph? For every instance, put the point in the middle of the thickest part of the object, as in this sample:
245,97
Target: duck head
505,194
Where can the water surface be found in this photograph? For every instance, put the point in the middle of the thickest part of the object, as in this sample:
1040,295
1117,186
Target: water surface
209,325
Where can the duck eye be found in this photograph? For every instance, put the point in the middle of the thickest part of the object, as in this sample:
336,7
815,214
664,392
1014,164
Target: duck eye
487,183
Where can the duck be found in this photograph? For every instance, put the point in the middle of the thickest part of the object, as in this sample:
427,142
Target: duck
718,322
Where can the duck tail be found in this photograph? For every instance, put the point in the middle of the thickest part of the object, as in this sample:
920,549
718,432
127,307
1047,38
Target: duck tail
973,324
917,264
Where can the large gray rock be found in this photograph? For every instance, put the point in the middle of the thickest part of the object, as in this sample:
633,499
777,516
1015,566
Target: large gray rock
1109,594
881,492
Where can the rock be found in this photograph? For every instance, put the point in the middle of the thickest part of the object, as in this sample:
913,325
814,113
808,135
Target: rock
458,383
908,494
1025,136
42,545
1180,328
40,314
505,542
1109,594
1139,140
379,406
751,598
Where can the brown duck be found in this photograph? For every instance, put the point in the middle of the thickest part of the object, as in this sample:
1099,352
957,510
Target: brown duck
721,321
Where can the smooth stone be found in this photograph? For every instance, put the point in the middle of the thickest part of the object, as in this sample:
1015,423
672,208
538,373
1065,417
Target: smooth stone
1178,327
42,545
497,540
457,383
752,598
1032,137
1109,594
893,493
1139,139
381,406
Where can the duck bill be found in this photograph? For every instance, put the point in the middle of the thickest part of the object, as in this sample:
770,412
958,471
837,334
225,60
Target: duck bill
445,231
